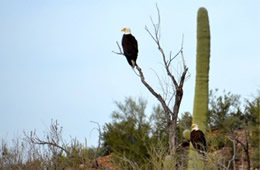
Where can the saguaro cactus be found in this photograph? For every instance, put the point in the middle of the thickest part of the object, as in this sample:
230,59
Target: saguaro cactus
200,107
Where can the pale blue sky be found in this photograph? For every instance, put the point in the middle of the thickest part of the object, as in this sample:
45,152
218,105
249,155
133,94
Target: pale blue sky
56,60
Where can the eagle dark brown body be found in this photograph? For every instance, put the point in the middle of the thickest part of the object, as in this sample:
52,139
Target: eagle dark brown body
130,48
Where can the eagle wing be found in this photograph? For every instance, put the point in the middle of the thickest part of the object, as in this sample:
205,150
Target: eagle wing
130,46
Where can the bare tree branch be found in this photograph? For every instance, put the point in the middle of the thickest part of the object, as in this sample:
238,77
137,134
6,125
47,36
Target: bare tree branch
158,96
99,136
33,138
155,37
146,28
178,87
245,146
120,50
234,156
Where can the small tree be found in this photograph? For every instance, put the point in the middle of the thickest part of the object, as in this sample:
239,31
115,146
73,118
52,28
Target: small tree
128,134
159,127
253,109
221,107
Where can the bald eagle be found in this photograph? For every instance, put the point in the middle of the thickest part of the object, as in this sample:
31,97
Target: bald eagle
130,47
197,138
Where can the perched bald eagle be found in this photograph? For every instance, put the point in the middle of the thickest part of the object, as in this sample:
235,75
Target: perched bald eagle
130,47
197,139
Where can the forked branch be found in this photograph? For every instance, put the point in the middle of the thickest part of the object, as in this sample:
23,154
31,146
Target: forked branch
34,139
167,63
120,50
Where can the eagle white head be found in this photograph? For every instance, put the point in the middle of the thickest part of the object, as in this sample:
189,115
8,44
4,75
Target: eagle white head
126,30
194,127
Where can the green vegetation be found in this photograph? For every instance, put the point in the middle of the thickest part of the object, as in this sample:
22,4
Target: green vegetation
141,142
50,152
128,134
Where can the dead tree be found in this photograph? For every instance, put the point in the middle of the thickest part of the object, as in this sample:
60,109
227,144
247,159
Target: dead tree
171,110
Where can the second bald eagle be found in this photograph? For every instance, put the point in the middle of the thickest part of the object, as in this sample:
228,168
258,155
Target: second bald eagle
130,47
198,139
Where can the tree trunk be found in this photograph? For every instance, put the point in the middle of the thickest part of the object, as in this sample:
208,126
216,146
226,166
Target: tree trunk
247,150
248,159
172,137
234,155
172,123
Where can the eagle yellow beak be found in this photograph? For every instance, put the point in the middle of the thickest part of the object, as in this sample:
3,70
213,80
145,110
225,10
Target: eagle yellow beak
192,126
123,29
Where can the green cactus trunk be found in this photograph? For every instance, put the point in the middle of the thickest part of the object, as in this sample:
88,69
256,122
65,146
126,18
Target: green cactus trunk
200,107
